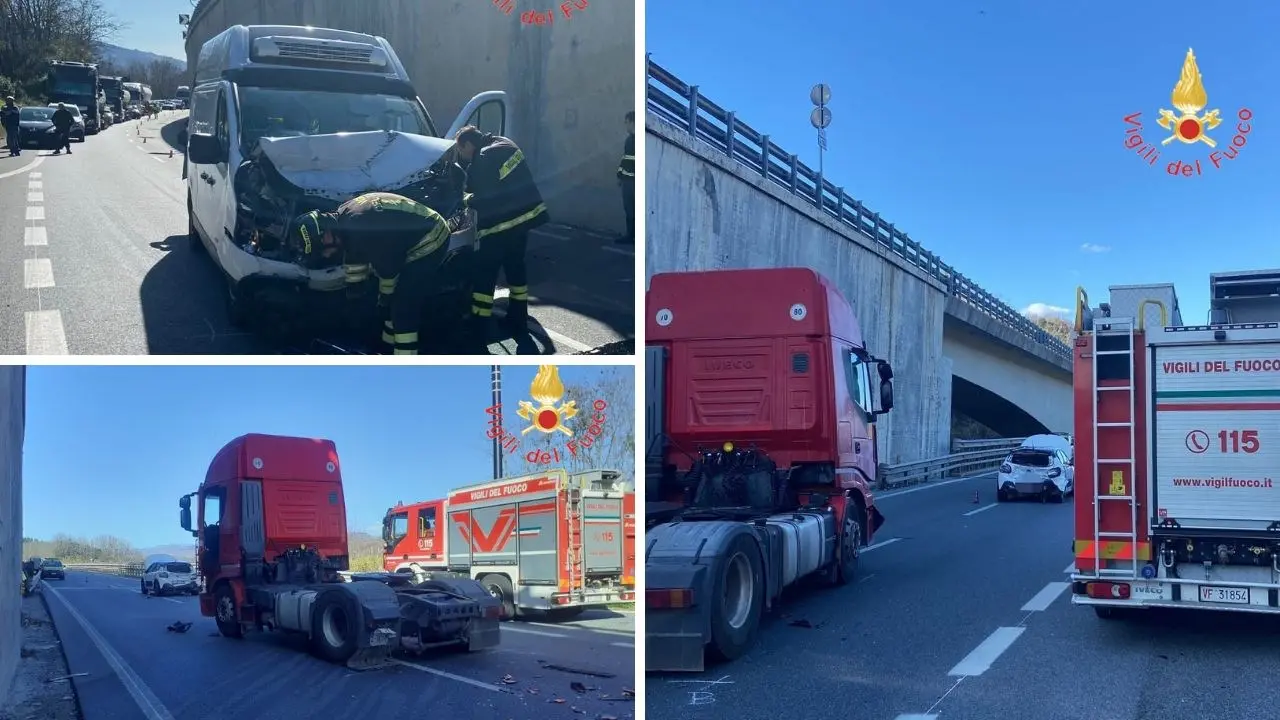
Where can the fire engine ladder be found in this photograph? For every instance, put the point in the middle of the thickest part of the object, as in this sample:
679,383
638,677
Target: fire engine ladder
1115,327
576,570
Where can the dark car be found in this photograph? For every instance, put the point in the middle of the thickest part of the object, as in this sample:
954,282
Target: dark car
77,121
52,569
36,128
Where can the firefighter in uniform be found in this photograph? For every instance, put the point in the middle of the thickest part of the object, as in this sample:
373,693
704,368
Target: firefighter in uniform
400,241
501,190
627,179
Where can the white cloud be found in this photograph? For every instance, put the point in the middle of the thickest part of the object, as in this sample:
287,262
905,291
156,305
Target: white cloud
1094,248
1042,310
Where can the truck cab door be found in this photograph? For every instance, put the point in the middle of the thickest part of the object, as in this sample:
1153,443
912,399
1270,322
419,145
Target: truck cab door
856,442
487,111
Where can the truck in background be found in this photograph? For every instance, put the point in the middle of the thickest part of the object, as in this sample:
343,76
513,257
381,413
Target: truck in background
115,94
1177,445
183,96
139,98
271,525
76,83
549,545
761,403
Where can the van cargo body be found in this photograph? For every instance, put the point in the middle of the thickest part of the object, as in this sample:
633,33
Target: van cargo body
1178,456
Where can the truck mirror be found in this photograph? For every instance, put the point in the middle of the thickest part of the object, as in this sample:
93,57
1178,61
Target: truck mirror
184,517
184,502
886,372
886,396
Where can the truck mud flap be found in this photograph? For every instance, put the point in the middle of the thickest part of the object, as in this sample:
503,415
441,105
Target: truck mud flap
446,610
376,611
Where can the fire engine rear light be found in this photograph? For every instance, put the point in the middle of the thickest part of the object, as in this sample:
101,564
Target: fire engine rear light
627,596
559,599
1107,591
669,599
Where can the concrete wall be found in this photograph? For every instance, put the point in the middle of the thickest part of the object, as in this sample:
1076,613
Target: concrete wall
570,83
12,431
1041,388
704,211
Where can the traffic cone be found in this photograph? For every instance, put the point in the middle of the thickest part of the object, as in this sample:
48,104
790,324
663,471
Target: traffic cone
975,497
144,141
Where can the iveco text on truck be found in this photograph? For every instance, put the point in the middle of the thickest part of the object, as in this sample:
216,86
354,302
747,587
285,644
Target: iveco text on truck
1178,449
761,400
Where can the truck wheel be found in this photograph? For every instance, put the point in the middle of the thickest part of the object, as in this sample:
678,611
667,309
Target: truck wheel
737,599
333,631
846,568
226,613
500,587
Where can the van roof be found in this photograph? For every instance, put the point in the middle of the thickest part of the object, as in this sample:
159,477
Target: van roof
298,48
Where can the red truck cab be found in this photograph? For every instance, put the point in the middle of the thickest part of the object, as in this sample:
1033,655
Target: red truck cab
761,402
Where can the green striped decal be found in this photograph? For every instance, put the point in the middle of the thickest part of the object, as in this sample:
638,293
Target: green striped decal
1169,394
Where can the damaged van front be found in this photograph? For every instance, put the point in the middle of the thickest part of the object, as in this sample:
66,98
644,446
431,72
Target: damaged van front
290,119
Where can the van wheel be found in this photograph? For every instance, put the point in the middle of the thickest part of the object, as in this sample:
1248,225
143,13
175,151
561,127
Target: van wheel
226,613
500,587
333,630
737,600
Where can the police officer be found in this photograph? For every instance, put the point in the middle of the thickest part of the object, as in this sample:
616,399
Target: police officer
501,190
401,241
627,179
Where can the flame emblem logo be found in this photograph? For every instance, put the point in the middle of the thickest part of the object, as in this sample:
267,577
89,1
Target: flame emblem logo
548,415
1189,97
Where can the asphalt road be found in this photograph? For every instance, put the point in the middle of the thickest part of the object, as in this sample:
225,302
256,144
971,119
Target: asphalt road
94,261
963,612
135,668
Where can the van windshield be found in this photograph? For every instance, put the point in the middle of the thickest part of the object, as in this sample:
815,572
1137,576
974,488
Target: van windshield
278,112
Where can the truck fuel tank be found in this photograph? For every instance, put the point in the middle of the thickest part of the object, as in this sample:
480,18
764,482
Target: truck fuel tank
803,541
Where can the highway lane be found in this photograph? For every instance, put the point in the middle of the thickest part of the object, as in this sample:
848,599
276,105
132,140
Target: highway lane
96,261
137,669
943,574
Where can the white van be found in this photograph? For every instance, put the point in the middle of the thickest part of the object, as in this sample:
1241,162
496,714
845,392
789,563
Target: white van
288,119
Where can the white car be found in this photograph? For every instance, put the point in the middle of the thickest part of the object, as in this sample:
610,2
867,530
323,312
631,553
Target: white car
169,576
1041,472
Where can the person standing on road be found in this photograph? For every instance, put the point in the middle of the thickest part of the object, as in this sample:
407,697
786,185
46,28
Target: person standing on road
62,122
401,241
627,179
500,188
10,119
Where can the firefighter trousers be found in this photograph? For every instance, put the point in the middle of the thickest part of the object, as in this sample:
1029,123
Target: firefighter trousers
502,251
628,186
405,307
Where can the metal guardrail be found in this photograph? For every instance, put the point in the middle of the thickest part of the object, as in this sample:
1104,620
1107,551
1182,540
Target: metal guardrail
681,105
120,569
963,445
948,466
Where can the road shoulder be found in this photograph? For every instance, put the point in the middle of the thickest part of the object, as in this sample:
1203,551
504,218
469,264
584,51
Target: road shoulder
41,689
101,692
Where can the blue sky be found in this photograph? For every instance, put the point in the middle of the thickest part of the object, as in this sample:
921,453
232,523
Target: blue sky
992,131
110,449
150,25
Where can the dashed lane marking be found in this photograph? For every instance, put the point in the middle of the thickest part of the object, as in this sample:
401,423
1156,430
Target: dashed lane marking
980,660
26,168
45,333
916,716
623,645
33,185
984,508
35,236
880,544
34,197
37,273
147,701
1045,597
527,631
1071,569
619,250
35,212
449,675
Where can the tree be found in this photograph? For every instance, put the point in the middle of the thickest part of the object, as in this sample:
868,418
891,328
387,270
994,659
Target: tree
1056,326
35,32
102,549
602,432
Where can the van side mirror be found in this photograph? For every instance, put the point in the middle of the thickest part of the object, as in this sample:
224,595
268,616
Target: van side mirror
204,149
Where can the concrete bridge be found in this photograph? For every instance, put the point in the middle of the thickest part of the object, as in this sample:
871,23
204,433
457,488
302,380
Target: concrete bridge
721,195
570,80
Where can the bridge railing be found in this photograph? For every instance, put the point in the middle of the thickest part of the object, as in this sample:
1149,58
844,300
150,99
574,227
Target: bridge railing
971,457
120,569
681,105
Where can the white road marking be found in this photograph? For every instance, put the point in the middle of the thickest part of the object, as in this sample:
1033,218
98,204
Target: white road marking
917,716
553,235
147,701
451,676
527,631
35,212
45,335
35,197
37,273
35,184
36,175
35,236
555,336
979,661
880,544
623,645
619,250
984,508
1045,597
1071,569
25,168
930,486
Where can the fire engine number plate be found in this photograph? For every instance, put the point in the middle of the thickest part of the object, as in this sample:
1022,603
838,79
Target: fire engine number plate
1237,596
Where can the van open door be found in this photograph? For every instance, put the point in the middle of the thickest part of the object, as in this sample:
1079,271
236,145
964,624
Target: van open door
487,111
